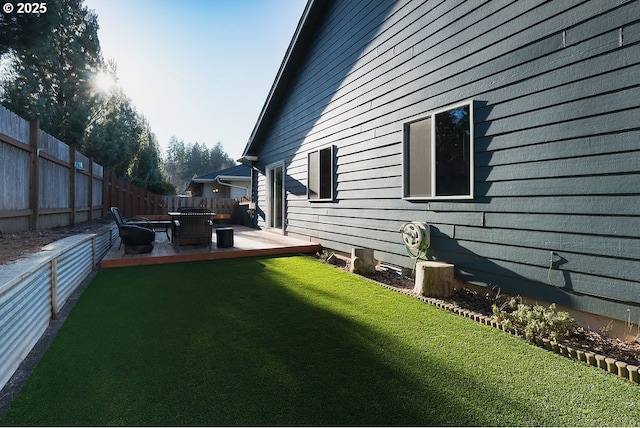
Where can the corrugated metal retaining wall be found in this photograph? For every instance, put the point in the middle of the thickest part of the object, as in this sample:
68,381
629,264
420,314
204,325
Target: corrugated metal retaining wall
33,291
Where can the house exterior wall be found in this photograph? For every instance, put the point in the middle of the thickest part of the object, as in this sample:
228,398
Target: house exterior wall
220,191
235,192
556,92
208,190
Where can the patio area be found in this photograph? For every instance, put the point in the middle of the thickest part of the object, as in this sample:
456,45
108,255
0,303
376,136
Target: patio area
248,242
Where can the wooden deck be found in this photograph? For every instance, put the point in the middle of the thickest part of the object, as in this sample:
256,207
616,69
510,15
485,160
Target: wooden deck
248,242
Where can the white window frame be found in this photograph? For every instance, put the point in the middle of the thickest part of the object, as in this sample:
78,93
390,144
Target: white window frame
432,166
318,180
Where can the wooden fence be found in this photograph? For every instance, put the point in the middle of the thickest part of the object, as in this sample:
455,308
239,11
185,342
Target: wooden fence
134,201
45,183
131,200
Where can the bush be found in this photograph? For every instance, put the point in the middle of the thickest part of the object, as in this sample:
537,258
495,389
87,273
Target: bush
534,321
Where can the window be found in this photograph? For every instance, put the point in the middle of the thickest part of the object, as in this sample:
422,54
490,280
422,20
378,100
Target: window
320,175
438,155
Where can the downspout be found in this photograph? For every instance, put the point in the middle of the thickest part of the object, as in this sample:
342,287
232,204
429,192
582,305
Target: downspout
246,191
250,161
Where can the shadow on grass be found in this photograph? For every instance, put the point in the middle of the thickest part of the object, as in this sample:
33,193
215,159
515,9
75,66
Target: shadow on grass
246,342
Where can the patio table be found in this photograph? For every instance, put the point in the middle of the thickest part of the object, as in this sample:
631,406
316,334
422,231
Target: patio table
216,218
176,214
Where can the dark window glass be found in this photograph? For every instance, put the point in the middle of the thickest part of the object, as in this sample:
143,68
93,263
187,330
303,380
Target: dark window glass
452,152
320,174
326,173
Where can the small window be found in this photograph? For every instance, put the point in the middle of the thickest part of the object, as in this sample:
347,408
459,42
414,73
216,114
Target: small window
438,155
320,175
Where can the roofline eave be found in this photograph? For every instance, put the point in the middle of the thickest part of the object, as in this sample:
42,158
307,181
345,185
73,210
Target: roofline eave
315,5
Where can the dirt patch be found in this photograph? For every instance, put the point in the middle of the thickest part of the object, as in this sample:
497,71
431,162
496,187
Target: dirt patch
18,245
482,301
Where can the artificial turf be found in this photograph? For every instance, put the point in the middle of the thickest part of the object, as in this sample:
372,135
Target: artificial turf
291,341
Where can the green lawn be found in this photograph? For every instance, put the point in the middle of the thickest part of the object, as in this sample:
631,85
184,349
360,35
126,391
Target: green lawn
290,341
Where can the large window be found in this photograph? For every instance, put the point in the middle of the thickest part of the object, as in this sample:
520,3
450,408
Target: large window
320,175
438,155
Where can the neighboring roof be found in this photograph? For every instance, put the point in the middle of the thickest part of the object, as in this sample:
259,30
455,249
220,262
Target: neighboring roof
235,172
311,18
238,173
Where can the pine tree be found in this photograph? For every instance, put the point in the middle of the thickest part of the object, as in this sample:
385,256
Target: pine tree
20,32
53,81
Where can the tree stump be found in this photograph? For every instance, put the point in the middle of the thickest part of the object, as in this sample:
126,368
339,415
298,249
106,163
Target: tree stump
362,261
434,279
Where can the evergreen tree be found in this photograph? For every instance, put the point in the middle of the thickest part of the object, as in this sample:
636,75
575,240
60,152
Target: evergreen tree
183,161
20,32
113,138
51,81
145,170
175,161
50,62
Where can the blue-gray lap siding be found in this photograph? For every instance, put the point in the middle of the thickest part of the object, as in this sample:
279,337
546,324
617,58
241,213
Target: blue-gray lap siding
556,90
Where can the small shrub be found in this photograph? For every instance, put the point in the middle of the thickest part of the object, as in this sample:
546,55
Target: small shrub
534,321
324,255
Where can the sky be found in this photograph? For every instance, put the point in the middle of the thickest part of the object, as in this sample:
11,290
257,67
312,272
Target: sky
199,70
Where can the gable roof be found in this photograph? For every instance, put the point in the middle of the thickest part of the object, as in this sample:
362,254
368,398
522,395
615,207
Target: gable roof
238,171
311,19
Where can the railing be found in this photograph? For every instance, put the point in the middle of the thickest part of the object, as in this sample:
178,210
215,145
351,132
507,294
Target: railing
33,291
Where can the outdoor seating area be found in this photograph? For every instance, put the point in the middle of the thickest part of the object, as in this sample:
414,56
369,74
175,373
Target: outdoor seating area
225,242
188,226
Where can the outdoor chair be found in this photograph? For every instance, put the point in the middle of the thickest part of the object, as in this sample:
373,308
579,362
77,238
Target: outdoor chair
140,221
117,217
137,235
136,239
193,226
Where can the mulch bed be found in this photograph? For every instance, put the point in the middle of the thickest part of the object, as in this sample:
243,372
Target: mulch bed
18,245
481,301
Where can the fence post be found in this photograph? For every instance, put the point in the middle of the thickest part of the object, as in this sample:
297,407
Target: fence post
105,195
34,179
90,189
129,200
72,186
